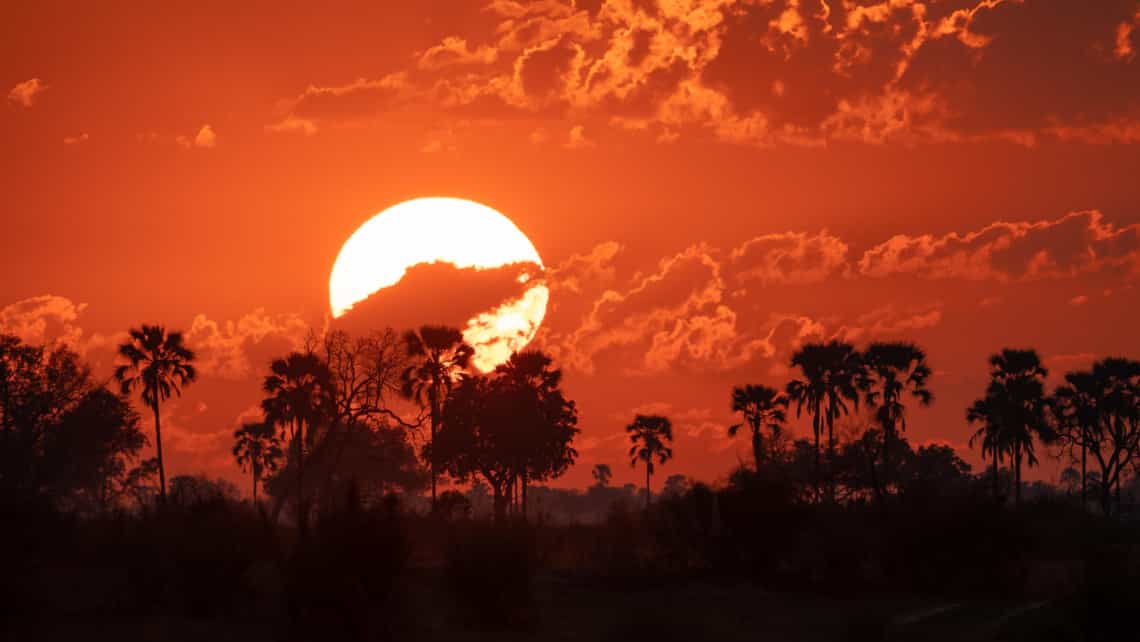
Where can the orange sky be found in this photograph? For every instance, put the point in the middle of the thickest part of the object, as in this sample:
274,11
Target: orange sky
709,182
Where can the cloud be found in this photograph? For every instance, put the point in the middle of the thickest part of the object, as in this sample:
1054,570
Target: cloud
454,51
238,349
26,93
577,138
293,124
75,140
204,139
775,72
789,258
1076,243
48,319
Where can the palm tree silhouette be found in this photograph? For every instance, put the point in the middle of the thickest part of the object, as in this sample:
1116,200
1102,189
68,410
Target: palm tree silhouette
258,450
893,370
1076,405
650,436
986,414
159,365
762,407
440,355
832,372
1017,391
299,388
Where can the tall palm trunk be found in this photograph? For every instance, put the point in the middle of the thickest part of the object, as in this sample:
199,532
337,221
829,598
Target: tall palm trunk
886,480
818,465
158,450
302,504
648,493
757,448
1084,455
435,413
995,477
1017,476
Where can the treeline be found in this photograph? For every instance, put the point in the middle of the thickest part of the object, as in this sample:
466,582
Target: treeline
355,431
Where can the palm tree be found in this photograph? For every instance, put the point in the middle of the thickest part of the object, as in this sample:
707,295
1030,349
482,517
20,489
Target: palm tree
832,372
1017,390
986,414
762,407
159,363
893,370
650,436
257,449
299,390
439,355
1076,405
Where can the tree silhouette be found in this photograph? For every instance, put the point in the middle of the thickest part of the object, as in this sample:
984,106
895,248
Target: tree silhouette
257,449
1099,412
299,393
602,475
159,364
1016,395
439,355
1076,407
831,375
986,414
545,421
762,407
892,371
651,436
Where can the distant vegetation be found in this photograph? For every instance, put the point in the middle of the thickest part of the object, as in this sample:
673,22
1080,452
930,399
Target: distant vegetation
356,430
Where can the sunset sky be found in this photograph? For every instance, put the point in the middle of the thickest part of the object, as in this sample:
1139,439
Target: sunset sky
710,183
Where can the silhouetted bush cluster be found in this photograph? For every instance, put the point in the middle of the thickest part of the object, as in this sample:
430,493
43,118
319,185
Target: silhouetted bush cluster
490,569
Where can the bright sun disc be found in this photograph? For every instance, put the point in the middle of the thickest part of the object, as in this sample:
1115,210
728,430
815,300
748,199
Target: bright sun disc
444,230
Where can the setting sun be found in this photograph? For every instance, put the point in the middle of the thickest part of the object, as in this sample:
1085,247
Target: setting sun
454,231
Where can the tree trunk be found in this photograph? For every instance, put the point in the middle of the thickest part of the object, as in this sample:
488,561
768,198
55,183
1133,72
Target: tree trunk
995,479
302,505
1084,454
500,502
648,493
158,451
1017,476
522,480
253,474
818,467
434,428
887,435
757,448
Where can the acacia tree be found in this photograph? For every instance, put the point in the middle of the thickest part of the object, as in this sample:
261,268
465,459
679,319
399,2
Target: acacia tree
651,436
1098,411
1076,407
545,422
831,373
762,407
439,355
491,427
892,371
298,388
160,365
257,448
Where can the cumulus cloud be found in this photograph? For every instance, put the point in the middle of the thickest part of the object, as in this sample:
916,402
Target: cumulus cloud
26,93
1011,251
204,139
778,72
235,349
48,319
